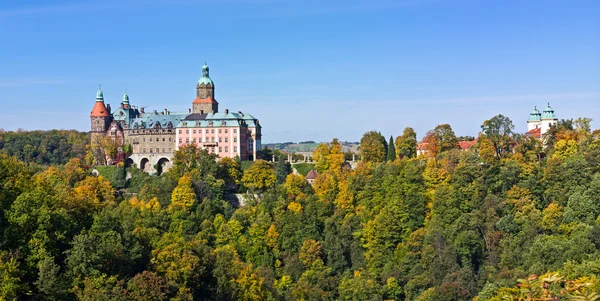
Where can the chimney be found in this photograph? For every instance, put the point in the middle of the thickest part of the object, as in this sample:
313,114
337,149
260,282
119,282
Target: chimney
189,111
108,108
226,111
155,112
201,112
165,112
142,110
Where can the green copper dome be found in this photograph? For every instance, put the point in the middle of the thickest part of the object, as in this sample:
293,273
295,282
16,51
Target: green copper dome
205,79
125,99
99,94
548,113
535,115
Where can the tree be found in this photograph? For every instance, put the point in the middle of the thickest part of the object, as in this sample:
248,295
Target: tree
282,169
406,145
260,176
183,196
499,130
321,157
445,137
391,152
373,147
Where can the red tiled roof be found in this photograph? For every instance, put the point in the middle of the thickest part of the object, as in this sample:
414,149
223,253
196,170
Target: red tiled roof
536,133
99,110
204,100
464,145
422,145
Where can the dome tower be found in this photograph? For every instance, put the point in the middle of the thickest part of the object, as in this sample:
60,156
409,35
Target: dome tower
205,94
535,119
548,119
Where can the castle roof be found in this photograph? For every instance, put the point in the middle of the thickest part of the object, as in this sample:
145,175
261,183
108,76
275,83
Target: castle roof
205,79
226,118
548,113
312,174
536,133
204,100
535,115
99,110
465,145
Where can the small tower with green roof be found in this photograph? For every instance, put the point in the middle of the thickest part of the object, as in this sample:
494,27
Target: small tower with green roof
205,94
535,120
125,101
548,119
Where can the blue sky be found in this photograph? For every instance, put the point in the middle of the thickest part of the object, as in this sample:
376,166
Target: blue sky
309,70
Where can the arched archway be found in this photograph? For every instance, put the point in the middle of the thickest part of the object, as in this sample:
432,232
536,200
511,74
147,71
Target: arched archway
129,162
145,165
163,165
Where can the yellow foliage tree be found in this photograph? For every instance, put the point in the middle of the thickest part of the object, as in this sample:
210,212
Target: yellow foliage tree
295,184
564,149
183,196
260,176
325,187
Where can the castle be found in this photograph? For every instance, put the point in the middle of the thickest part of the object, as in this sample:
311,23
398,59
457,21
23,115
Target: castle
154,136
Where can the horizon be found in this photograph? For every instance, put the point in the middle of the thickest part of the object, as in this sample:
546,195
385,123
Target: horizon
307,70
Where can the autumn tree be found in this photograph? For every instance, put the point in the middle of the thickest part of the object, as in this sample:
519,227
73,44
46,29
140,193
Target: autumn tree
445,137
406,144
260,176
373,147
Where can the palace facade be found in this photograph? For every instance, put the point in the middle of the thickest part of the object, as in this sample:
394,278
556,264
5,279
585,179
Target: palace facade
154,135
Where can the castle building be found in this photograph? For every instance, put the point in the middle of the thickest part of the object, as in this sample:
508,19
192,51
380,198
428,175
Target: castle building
539,123
154,136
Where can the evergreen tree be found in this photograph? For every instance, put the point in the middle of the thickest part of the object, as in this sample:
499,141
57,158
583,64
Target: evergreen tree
391,151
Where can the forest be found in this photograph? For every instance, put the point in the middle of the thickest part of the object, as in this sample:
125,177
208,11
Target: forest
512,218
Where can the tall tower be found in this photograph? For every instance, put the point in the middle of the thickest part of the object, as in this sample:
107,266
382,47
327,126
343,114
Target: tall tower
125,101
205,94
535,120
99,117
548,119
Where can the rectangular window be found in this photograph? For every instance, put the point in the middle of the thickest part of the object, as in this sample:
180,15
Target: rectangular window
213,139
235,148
150,149
179,140
225,139
143,150
226,149
187,140
194,140
234,131
144,139
225,131
194,131
169,139
164,139
179,131
158,150
212,131
187,131
219,131
220,149
207,131
219,139
234,139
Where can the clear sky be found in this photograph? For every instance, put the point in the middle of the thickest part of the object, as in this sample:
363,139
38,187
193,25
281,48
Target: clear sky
308,70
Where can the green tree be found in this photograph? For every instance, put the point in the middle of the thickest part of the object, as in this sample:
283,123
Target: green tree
499,130
391,152
406,145
445,137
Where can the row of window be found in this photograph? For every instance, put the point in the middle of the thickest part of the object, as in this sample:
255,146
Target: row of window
212,149
156,139
212,131
206,139
157,150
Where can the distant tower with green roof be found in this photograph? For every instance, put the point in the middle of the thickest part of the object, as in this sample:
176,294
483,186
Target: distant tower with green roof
205,94
548,119
535,120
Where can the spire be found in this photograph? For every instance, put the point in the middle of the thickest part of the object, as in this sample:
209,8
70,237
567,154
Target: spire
99,94
205,70
125,98
205,79
548,113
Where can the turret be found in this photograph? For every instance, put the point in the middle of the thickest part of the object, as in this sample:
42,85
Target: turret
535,120
125,101
548,119
99,117
205,94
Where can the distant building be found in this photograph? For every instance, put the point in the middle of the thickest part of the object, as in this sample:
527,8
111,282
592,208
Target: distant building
539,123
311,176
154,136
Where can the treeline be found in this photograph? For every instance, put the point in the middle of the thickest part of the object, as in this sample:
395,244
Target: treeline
44,147
445,225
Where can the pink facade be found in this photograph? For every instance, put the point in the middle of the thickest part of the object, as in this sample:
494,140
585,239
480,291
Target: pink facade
225,141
